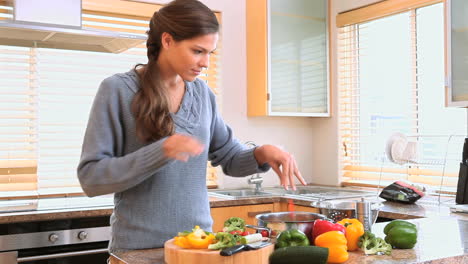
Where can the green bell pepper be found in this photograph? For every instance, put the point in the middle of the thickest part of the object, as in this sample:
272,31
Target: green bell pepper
401,234
291,238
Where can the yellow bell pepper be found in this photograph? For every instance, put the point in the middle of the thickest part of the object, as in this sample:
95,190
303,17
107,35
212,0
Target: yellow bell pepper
198,239
336,242
354,230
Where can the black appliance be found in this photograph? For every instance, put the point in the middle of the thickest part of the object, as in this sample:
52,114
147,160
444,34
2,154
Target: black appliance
462,186
67,241
57,241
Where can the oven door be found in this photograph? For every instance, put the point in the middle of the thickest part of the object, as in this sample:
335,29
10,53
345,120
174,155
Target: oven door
85,245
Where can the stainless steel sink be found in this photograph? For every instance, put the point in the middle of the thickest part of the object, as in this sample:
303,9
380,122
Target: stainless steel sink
319,192
313,193
239,193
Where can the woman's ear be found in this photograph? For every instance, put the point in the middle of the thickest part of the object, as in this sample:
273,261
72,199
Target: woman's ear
166,40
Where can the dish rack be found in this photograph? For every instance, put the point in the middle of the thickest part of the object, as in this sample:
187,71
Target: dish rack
426,158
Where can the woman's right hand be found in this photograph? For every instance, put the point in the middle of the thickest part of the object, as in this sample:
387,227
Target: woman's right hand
182,147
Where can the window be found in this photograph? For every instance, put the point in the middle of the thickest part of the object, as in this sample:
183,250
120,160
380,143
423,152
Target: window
45,99
391,79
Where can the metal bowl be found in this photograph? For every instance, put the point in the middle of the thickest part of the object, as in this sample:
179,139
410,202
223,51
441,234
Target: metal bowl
278,222
338,210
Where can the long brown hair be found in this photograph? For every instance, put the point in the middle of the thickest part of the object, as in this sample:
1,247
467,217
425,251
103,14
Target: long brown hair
182,19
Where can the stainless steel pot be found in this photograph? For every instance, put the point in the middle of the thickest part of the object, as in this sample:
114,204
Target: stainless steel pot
275,223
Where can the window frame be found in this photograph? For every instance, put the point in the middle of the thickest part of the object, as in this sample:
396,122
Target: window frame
362,15
111,9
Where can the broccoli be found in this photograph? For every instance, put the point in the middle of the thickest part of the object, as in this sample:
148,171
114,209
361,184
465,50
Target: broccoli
372,245
366,240
223,240
234,223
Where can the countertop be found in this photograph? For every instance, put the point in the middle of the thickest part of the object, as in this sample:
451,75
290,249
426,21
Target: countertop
440,240
443,234
81,207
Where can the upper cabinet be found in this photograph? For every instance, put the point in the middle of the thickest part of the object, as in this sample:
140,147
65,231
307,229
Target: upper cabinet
287,58
457,53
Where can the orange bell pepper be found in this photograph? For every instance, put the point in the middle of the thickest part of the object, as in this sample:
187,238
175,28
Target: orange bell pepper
181,241
354,230
336,243
198,239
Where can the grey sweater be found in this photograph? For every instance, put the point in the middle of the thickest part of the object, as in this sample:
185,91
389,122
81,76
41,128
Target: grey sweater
155,197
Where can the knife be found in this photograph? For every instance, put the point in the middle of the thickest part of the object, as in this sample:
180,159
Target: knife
234,249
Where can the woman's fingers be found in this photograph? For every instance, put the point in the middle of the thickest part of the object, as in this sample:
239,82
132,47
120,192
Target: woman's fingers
276,168
283,164
192,146
291,172
286,170
298,173
181,147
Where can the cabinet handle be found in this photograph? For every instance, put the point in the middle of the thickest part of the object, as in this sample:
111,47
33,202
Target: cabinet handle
253,214
64,255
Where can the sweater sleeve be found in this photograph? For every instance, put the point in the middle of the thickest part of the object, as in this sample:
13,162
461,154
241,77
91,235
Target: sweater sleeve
101,170
235,158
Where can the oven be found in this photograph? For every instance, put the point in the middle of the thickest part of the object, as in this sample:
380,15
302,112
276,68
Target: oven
65,241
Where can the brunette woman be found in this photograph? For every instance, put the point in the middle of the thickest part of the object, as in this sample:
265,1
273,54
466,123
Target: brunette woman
151,131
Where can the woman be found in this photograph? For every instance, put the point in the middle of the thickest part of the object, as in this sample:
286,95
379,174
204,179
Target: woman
152,130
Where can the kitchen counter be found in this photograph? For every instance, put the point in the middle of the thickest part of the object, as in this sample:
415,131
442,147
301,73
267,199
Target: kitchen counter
440,240
48,209
436,220
93,207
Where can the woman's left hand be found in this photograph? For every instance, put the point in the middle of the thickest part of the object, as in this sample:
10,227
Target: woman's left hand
282,162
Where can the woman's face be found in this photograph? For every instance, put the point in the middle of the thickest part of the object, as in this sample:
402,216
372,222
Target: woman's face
187,58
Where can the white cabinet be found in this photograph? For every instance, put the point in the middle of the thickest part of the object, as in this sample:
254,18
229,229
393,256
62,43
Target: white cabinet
457,53
287,58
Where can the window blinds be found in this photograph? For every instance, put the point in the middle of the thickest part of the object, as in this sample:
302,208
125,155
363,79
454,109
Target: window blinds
46,96
18,117
391,74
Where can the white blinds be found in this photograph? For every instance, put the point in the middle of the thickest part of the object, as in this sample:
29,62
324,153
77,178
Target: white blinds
46,96
18,117
391,79
68,82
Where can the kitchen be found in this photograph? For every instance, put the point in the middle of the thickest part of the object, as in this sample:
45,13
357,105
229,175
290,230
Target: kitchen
316,147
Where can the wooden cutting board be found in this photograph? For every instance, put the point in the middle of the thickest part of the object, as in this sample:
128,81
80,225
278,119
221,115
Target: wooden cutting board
174,254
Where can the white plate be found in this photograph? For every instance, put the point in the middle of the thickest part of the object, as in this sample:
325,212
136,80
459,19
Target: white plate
394,137
398,150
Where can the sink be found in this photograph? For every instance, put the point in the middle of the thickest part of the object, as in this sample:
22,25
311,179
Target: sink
319,192
302,192
239,193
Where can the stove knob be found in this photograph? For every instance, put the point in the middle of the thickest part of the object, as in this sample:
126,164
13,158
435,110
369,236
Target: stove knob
82,235
53,237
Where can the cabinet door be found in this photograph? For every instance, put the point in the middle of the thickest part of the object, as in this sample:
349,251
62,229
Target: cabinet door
300,208
457,53
287,58
285,207
246,212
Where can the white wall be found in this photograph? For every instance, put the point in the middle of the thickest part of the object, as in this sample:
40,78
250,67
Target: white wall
327,147
294,134
313,141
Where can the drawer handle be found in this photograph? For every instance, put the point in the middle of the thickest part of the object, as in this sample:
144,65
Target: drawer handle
253,214
64,255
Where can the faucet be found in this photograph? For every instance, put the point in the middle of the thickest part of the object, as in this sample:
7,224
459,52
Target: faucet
256,178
